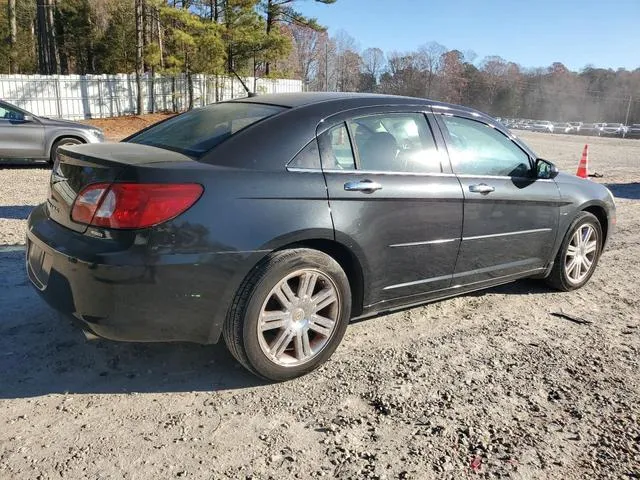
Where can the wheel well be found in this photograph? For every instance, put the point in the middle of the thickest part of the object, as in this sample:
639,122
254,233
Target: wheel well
601,214
349,263
63,137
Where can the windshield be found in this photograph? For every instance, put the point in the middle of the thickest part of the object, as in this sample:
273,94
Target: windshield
198,131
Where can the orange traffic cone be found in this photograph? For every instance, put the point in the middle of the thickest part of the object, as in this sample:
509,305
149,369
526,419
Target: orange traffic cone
583,166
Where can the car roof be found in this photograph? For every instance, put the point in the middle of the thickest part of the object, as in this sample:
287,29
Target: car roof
302,99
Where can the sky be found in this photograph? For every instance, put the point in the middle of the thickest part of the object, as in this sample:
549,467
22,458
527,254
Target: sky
532,33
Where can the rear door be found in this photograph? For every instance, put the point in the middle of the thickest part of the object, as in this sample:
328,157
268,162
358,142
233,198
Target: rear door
19,139
510,216
392,199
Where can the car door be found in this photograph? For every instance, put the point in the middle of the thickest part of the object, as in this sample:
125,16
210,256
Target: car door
20,139
510,216
391,200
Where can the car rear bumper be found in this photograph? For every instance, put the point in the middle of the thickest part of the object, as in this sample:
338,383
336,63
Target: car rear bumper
125,293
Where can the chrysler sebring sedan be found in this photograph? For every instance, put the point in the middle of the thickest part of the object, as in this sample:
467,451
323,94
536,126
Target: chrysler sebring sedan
272,221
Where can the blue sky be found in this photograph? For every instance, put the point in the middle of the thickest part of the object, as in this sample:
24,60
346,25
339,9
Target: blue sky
604,33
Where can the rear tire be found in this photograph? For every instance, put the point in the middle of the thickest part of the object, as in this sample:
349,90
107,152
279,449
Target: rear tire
577,260
59,143
289,315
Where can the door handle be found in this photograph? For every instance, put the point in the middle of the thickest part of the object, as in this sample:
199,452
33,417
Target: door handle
481,188
366,186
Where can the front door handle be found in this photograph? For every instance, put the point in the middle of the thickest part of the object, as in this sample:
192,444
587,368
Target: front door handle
481,188
366,186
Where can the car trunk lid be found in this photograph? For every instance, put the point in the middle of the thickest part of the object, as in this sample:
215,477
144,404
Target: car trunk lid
76,167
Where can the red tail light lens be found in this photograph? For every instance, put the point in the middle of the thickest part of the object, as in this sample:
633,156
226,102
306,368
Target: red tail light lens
133,205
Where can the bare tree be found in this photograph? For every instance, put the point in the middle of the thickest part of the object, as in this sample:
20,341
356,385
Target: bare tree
372,67
429,57
453,76
494,71
346,63
308,49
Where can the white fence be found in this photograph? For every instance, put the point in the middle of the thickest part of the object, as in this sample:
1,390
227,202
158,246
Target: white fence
77,97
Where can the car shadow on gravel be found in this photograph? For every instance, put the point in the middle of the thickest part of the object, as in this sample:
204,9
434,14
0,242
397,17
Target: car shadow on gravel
41,353
15,212
23,165
526,286
625,190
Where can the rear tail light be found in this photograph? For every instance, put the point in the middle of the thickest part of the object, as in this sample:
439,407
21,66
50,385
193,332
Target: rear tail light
133,205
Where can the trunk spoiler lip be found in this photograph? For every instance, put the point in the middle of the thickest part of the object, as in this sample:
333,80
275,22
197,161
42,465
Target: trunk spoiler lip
120,154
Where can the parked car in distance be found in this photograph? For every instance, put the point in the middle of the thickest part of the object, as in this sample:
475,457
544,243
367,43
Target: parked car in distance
613,130
593,129
523,124
272,221
575,127
633,131
24,136
542,126
562,127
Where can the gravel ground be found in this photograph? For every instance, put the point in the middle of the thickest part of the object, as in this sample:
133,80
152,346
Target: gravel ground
484,385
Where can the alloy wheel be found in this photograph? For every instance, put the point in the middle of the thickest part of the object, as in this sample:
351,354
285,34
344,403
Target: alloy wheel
581,253
298,317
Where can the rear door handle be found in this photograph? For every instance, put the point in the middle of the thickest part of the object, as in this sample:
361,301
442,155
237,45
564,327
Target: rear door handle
481,188
366,186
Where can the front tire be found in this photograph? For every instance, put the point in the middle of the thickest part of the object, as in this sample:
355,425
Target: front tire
289,315
578,255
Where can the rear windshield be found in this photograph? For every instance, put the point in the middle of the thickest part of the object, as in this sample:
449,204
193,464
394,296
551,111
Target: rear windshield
196,132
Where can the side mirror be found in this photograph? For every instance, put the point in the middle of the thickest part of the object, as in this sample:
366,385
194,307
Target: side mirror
546,169
27,118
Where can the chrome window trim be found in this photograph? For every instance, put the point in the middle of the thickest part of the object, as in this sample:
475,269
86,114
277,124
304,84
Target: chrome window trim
303,169
428,242
504,177
506,234
377,172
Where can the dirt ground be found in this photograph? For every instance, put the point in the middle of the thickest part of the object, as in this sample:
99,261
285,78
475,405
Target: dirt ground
116,129
485,385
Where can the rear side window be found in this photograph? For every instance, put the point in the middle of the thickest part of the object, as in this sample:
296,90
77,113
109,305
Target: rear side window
308,157
198,131
335,149
395,142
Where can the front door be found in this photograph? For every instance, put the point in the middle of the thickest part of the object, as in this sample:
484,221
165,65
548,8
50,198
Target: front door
392,201
19,139
510,216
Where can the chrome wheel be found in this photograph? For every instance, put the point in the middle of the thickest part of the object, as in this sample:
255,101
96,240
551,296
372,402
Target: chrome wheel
298,317
581,253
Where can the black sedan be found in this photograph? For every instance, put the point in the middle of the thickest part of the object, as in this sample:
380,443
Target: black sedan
272,221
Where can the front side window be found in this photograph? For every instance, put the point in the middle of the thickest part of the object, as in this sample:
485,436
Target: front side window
476,148
9,113
395,142
198,131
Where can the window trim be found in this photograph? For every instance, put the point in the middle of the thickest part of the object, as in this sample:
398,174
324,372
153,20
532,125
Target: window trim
447,140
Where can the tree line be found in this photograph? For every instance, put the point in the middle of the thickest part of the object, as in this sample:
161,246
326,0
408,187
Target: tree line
492,84
271,38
